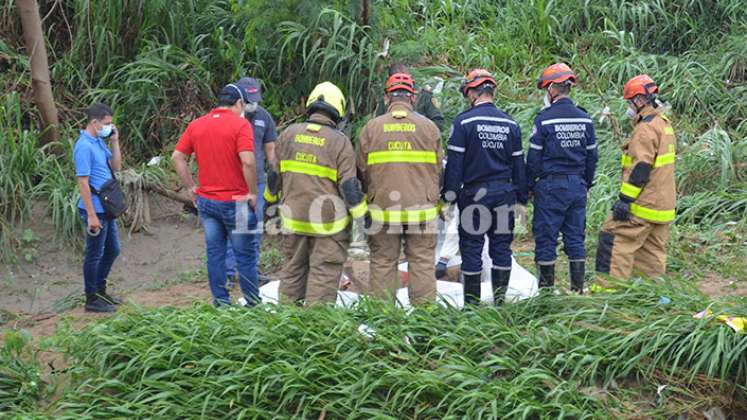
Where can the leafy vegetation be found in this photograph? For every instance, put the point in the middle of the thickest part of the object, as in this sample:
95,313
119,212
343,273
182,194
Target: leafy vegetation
623,354
20,375
159,63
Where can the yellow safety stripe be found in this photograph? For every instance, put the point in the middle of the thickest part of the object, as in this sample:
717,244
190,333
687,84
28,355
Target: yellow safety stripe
661,216
626,161
359,210
661,160
400,156
404,216
665,159
269,197
308,169
630,190
299,226
669,130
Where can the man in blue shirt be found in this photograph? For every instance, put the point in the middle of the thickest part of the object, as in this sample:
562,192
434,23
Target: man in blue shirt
94,164
485,175
265,135
561,162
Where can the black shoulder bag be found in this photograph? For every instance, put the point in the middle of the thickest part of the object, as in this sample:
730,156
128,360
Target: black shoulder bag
112,198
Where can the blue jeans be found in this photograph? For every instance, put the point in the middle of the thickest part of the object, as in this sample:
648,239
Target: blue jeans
222,224
230,259
101,251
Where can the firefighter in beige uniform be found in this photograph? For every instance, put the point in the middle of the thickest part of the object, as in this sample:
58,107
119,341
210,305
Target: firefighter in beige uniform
319,192
399,161
636,233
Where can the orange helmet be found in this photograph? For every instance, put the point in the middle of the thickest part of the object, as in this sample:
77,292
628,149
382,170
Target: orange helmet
400,81
639,85
557,73
476,78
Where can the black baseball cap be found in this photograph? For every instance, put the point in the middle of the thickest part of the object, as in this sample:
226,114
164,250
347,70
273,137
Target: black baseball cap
232,93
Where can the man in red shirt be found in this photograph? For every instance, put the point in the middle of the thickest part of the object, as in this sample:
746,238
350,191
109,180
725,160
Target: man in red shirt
223,144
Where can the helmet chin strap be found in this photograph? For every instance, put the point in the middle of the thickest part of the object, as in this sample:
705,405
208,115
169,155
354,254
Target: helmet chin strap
550,95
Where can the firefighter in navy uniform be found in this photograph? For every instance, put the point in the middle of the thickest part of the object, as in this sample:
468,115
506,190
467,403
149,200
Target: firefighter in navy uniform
635,234
485,175
561,162
319,192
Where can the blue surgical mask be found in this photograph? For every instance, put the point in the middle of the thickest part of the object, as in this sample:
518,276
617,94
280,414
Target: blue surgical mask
105,131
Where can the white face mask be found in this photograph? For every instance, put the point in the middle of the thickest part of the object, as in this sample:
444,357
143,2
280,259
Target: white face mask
547,100
250,107
631,112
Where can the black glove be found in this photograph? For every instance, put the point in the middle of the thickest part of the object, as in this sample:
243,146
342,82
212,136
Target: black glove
271,212
621,211
441,269
367,221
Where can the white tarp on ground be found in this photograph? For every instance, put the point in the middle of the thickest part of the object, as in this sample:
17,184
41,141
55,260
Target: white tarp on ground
522,285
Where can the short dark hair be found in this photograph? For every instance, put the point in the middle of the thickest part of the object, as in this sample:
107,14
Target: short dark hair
98,111
227,100
562,88
398,68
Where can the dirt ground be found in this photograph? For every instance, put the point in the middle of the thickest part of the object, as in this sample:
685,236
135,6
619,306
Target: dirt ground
53,280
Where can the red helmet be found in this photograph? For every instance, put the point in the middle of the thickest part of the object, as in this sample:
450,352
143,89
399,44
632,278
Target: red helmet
639,85
557,73
400,81
476,78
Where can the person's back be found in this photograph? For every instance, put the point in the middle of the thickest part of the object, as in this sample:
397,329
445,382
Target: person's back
569,140
485,172
317,186
314,157
399,160
561,163
216,140
398,146
490,145
223,144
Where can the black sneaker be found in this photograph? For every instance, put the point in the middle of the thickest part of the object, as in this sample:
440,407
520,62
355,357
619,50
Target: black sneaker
112,300
97,305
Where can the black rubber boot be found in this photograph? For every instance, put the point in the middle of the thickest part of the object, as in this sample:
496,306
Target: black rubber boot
94,303
547,275
499,278
112,300
471,289
578,270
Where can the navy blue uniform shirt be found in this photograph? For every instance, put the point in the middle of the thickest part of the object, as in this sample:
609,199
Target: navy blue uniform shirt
563,142
485,147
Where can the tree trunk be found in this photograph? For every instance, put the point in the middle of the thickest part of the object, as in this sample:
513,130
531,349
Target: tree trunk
37,52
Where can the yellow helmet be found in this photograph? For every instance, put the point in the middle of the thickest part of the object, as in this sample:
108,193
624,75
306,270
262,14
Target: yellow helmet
328,98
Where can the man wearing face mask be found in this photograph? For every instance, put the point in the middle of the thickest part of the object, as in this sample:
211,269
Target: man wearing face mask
561,162
222,142
635,234
485,175
265,134
94,166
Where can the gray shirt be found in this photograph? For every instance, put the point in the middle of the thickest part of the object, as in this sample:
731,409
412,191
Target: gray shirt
265,132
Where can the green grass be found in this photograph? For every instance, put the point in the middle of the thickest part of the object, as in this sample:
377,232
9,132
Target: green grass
160,64
553,356
20,374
